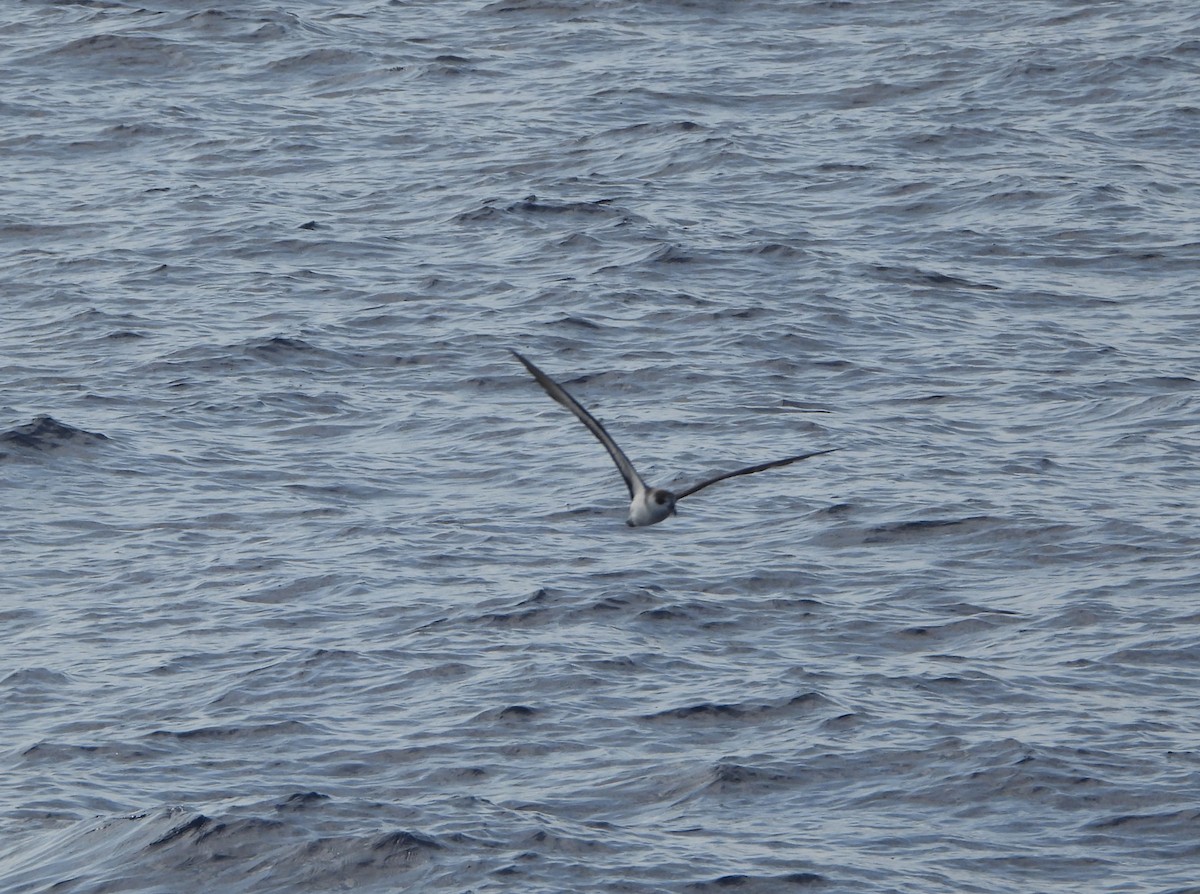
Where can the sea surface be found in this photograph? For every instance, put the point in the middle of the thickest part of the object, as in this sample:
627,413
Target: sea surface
307,586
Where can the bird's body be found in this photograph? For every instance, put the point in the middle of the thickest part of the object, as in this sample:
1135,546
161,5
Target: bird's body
647,505
650,506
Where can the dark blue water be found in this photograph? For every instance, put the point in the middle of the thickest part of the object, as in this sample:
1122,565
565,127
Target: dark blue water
308,587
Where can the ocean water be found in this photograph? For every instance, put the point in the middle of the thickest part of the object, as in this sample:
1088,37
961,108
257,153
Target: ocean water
307,586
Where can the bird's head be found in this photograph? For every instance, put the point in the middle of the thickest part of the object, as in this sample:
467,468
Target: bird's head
664,499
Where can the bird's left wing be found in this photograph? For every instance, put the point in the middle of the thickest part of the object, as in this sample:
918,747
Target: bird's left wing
632,479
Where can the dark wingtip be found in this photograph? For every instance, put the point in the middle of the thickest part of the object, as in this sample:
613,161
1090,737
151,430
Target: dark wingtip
818,453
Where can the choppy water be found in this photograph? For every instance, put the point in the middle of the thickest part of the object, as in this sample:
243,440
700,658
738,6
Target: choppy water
308,587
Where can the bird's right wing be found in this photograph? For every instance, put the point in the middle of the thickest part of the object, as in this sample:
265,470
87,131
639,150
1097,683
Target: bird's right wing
679,495
632,480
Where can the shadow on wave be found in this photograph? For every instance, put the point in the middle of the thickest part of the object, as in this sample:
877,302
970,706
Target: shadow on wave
46,434
300,843
803,703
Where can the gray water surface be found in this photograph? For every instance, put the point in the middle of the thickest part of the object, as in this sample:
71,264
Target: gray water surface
308,587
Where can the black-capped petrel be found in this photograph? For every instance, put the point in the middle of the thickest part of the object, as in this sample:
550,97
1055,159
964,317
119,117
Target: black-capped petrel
648,505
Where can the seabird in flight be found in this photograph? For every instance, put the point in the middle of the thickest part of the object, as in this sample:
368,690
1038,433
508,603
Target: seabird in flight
648,505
